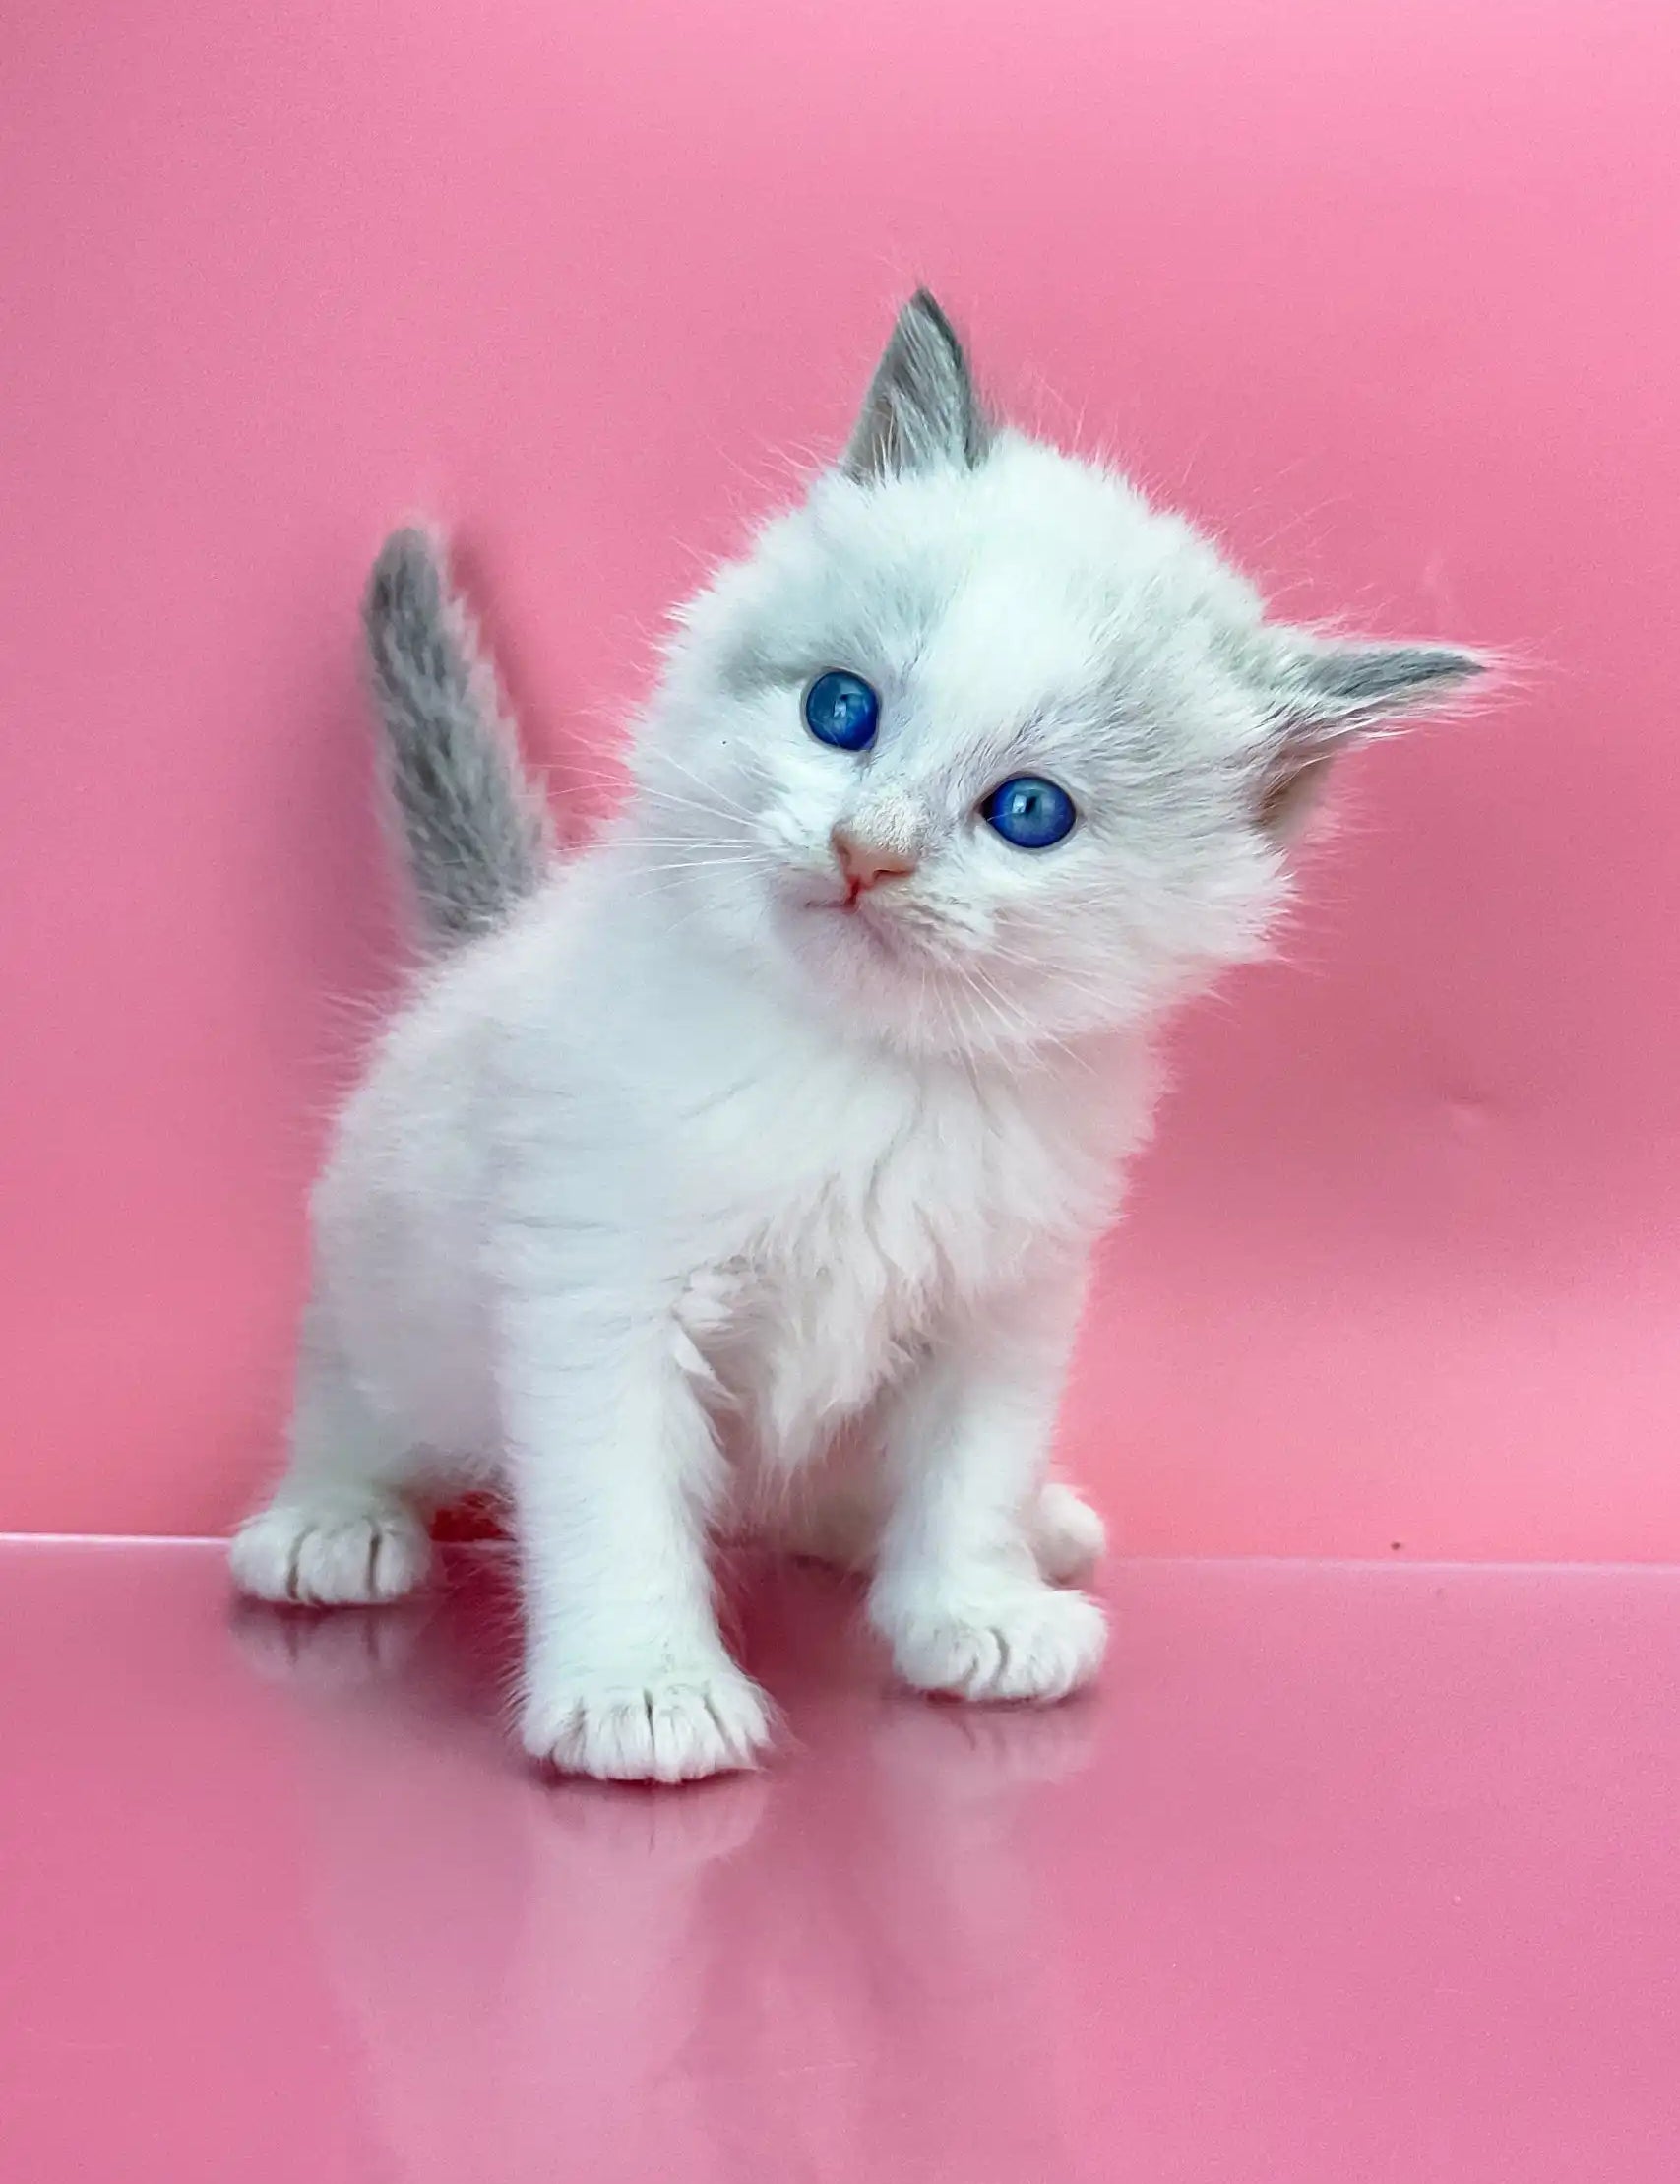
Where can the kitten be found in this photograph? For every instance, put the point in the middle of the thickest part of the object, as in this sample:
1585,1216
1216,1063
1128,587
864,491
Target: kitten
740,1172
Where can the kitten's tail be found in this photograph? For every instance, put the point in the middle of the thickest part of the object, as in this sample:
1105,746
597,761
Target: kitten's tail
472,825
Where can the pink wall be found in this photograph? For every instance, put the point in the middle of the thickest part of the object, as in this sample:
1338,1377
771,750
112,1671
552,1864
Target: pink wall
1386,292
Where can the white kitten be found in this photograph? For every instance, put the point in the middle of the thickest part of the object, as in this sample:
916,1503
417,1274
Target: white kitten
741,1171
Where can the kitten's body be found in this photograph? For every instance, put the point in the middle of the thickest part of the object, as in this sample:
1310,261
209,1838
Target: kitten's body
811,1208
695,1189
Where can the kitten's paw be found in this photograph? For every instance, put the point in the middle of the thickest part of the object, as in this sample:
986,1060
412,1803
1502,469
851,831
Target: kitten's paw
673,1726
332,1553
997,1637
1068,1535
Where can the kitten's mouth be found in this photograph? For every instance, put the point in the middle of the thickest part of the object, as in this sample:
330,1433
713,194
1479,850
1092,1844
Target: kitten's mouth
852,910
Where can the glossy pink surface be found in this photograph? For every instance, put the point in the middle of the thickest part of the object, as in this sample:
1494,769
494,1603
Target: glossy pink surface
1386,291
1347,1873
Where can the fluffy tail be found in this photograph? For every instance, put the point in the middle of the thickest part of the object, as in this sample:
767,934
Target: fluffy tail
474,829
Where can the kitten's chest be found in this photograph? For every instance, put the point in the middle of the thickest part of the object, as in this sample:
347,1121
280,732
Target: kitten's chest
883,1218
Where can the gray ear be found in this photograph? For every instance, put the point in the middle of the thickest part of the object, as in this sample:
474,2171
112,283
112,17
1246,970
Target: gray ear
1322,696
921,412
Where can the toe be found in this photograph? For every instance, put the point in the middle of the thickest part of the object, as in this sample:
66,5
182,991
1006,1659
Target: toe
999,1642
666,1729
311,1557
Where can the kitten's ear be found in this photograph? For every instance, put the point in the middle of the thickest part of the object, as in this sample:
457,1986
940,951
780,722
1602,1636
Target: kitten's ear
1322,696
921,412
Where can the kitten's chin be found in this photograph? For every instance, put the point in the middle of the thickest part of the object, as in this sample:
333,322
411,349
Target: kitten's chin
853,960
866,971
845,959
879,981
856,933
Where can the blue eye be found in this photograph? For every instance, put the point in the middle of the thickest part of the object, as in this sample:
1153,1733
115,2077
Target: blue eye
842,709
1029,812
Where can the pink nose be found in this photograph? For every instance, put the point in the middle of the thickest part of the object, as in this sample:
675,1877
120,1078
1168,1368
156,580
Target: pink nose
865,864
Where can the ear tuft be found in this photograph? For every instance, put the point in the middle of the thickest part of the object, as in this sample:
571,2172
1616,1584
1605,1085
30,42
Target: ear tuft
921,412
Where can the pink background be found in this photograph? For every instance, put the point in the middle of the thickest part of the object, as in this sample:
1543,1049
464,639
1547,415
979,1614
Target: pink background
1385,292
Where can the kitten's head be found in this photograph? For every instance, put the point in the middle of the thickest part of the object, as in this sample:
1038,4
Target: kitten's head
983,751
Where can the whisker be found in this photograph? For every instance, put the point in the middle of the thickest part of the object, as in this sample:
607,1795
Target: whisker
672,800
709,864
688,842
665,758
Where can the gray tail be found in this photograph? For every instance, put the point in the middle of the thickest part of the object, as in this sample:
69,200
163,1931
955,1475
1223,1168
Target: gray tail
474,826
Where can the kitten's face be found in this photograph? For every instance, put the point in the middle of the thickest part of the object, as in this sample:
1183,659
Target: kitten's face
1046,794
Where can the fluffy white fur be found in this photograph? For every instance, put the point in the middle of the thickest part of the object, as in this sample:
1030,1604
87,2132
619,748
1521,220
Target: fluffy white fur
686,1199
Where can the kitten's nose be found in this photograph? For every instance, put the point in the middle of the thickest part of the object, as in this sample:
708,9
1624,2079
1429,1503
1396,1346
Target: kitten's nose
865,864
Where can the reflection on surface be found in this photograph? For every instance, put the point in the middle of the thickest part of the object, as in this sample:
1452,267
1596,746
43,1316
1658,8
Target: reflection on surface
1343,1874
836,1967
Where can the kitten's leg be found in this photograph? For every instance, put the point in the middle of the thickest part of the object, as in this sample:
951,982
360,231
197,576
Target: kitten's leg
341,1529
959,1593
615,1470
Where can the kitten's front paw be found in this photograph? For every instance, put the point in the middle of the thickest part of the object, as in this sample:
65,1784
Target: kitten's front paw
335,1553
994,1637
674,1725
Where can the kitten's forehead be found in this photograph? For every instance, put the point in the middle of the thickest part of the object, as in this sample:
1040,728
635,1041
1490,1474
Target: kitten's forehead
1033,572
1028,517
